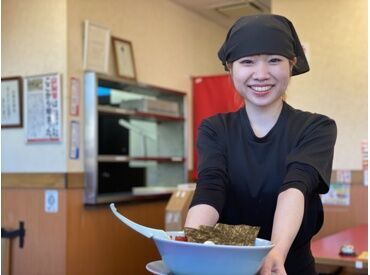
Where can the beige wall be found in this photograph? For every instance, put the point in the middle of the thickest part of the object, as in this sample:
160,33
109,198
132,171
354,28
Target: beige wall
170,44
33,42
336,32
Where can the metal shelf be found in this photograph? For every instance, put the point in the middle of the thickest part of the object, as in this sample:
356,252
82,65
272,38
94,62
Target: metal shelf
135,114
121,158
118,159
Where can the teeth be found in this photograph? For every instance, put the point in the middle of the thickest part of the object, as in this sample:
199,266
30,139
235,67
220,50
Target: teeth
261,89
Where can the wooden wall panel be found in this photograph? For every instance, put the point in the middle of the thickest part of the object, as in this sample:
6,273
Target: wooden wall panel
342,217
91,240
33,180
45,238
98,243
5,256
42,180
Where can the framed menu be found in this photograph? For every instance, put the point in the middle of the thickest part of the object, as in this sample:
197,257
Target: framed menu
43,108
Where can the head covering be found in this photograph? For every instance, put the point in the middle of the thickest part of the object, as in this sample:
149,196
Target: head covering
263,34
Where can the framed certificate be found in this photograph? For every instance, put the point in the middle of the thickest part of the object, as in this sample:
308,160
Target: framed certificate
96,48
124,58
11,102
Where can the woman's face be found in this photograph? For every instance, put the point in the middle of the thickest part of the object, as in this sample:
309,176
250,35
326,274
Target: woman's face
261,79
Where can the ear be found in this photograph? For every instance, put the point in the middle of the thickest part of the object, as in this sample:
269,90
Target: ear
292,63
229,67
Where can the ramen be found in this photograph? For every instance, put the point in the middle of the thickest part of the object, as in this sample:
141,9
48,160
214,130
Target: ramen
225,234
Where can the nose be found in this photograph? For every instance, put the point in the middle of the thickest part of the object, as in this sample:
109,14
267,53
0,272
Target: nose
261,72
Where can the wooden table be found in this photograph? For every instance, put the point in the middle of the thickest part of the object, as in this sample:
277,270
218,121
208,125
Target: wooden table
326,250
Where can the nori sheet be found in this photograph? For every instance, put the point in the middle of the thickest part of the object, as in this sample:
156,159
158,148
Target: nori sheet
226,234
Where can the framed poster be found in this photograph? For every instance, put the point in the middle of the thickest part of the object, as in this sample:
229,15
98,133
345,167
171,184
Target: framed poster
124,58
74,142
11,102
74,109
339,194
43,108
96,47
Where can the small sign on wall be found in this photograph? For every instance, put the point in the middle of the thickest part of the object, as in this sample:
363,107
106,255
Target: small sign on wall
51,201
75,97
364,154
74,146
339,194
344,176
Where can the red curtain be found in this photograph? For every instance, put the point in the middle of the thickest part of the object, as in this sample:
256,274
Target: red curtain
211,95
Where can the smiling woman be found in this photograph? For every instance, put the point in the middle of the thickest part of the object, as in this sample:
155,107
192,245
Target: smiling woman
265,164
262,79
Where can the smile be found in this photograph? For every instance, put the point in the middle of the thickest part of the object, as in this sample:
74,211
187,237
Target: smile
261,88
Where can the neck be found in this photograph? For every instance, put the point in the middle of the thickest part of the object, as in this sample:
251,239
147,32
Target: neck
262,119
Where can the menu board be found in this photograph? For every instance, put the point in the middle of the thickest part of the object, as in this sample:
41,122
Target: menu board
43,108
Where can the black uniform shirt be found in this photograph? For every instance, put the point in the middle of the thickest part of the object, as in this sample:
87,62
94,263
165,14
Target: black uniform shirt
241,175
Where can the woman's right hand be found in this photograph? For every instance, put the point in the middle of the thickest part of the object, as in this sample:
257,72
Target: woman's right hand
201,214
273,264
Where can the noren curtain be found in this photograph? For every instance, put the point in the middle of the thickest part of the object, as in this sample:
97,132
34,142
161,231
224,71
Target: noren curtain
211,95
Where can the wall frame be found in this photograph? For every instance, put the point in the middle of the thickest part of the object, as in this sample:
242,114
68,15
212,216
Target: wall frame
11,102
43,108
124,58
96,47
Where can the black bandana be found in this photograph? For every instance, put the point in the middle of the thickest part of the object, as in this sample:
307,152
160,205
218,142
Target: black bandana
263,34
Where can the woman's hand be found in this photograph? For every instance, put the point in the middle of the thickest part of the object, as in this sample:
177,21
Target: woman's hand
201,214
287,220
273,264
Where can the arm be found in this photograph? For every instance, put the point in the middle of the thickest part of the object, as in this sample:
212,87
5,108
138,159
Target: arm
287,221
201,214
210,192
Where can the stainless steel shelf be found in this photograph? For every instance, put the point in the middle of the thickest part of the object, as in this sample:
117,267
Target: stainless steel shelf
142,115
115,158
110,173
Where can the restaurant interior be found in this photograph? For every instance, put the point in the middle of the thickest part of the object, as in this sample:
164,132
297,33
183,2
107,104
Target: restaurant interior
101,103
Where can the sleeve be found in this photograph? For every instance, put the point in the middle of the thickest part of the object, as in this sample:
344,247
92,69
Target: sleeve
302,177
315,148
212,174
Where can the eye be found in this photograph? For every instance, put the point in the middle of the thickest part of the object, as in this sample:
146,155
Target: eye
246,61
275,60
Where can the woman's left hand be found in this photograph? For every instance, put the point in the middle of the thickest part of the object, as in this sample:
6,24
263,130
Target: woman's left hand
273,264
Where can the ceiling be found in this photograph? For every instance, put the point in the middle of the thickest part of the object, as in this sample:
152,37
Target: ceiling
225,12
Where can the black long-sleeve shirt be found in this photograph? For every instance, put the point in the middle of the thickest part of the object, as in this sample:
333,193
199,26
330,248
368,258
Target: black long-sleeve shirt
241,175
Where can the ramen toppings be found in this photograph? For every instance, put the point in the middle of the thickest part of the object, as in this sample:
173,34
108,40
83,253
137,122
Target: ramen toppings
223,234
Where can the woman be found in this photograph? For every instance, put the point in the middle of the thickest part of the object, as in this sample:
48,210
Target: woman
265,164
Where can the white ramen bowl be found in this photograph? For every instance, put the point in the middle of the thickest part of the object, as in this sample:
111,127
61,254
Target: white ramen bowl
188,258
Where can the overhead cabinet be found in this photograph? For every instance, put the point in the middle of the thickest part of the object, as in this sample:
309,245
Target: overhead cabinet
134,137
